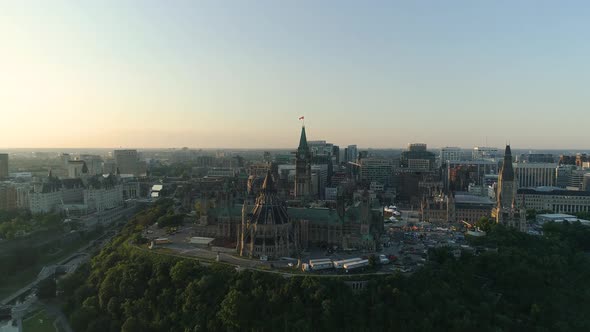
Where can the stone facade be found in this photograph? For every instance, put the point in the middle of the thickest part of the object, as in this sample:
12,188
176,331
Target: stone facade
506,212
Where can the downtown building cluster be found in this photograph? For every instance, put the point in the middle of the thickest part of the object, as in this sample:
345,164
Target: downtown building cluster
77,186
283,201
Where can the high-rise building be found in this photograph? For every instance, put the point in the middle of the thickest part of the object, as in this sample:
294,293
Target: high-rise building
320,148
536,158
376,170
563,174
336,154
484,152
127,161
450,154
530,175
576,180
457,175
417,158
322,155
3,165
586,182
582,158
303,169
351,154
8,198
319,180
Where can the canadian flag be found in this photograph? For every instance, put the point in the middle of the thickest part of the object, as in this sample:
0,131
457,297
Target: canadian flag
301,117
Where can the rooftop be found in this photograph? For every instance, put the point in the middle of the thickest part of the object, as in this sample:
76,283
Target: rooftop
551,191
472,199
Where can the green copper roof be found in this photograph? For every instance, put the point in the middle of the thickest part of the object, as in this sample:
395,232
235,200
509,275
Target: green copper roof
317,215
324,215
303,140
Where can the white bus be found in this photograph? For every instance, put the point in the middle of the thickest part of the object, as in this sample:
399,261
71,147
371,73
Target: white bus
356,265
340,264
320,264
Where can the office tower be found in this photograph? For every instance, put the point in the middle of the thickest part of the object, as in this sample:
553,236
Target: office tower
484,152
336,154
127,161
3,165
351,153
530,175
536,158
563,174
417,158
576,180
8,197
376,170
450,154
320,148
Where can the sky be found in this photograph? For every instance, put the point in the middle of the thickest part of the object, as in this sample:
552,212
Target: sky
239,74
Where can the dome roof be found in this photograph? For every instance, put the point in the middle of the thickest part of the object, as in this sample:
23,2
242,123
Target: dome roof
269,208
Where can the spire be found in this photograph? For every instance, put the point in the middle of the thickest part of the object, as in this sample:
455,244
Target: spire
268,185
303,140
269,208
507,152
507,172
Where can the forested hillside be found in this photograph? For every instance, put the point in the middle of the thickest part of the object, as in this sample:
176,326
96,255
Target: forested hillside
529,284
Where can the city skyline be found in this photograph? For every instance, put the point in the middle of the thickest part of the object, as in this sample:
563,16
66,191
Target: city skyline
238,75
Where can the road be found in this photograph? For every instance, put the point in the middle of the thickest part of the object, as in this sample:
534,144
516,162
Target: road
46,270
61,321
207,258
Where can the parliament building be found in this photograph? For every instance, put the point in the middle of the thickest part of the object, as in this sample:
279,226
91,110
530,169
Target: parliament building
265,225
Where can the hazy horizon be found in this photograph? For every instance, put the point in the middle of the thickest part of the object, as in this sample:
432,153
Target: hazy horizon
293,148
210,74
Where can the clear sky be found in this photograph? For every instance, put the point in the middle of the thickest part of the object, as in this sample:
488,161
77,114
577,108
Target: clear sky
240,73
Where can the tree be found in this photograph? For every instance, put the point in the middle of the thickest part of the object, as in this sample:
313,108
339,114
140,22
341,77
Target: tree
485,224
132,324
139,239
82,318
372,261
47,288
529,283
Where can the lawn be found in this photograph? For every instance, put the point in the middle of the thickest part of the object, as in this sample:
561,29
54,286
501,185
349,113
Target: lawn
39,322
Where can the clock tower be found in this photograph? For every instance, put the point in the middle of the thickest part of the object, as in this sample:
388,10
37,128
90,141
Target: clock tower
303,169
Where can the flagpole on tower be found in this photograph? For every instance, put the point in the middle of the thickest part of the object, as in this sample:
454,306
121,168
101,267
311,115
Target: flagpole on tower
302,118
